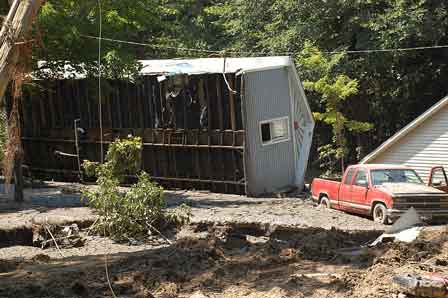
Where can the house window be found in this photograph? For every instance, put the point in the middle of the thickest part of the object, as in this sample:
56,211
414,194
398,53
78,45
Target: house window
274,130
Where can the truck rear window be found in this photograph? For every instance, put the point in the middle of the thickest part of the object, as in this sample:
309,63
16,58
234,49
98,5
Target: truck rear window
349,176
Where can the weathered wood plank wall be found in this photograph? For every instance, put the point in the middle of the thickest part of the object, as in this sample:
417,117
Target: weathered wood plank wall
192,140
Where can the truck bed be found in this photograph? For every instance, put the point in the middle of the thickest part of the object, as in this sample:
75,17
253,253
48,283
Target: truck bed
325,187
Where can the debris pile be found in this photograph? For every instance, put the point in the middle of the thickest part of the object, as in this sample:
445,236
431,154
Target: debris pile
47,235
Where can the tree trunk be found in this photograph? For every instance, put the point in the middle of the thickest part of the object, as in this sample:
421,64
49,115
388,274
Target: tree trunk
17,23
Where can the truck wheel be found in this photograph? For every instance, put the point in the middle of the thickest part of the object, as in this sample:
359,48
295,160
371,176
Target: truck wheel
380,214
325,202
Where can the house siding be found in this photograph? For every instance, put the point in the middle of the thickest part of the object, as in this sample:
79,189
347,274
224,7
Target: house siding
423,148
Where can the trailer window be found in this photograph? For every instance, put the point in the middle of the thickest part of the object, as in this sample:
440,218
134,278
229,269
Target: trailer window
274,130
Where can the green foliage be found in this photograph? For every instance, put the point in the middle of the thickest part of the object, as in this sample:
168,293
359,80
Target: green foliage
90,168
179,216
64,25
132,213
328,157
334,90
123,157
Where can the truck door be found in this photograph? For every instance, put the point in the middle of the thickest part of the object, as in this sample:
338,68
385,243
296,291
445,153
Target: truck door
438,179
345,190
360,188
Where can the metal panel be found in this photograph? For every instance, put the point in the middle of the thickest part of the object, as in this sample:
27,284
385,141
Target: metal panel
422,148
303,124
269,167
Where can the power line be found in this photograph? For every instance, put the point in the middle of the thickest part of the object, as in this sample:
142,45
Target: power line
183,48
367,51
100,115
390,50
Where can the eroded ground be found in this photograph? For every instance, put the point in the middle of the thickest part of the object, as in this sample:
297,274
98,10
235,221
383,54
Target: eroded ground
235,247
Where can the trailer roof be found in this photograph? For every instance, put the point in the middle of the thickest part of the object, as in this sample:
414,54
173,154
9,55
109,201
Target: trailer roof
181,66
212,65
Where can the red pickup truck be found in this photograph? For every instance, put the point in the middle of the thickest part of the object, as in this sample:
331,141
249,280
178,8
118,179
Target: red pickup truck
383,192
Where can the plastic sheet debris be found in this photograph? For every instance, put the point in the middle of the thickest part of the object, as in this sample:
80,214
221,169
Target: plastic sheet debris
432,285
406,229
408,220
408,235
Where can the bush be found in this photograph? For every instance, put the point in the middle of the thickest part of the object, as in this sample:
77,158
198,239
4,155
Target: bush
131,213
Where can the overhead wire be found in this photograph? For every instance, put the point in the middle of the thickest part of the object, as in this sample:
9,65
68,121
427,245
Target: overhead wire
389,50
164,47
100,118
249,53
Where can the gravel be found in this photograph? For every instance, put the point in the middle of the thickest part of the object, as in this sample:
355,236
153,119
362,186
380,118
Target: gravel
58,205
290,211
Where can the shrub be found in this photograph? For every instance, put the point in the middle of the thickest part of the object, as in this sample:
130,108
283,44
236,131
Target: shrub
131,213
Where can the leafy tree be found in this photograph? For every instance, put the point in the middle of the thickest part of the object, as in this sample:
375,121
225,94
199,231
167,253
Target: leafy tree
65,24
334,89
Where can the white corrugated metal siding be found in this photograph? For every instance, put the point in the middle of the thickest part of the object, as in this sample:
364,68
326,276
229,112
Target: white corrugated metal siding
267,96
423,148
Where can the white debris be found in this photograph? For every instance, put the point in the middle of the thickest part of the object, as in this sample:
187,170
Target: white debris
407,236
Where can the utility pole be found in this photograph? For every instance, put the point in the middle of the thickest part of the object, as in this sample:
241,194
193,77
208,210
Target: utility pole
15,27
17,23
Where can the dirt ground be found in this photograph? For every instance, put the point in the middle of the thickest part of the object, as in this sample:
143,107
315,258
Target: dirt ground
61,201
234,247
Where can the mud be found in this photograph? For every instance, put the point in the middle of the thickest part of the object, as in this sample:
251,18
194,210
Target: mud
251,260
235,247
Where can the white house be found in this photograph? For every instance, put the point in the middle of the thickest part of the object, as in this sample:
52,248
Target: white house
421,145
